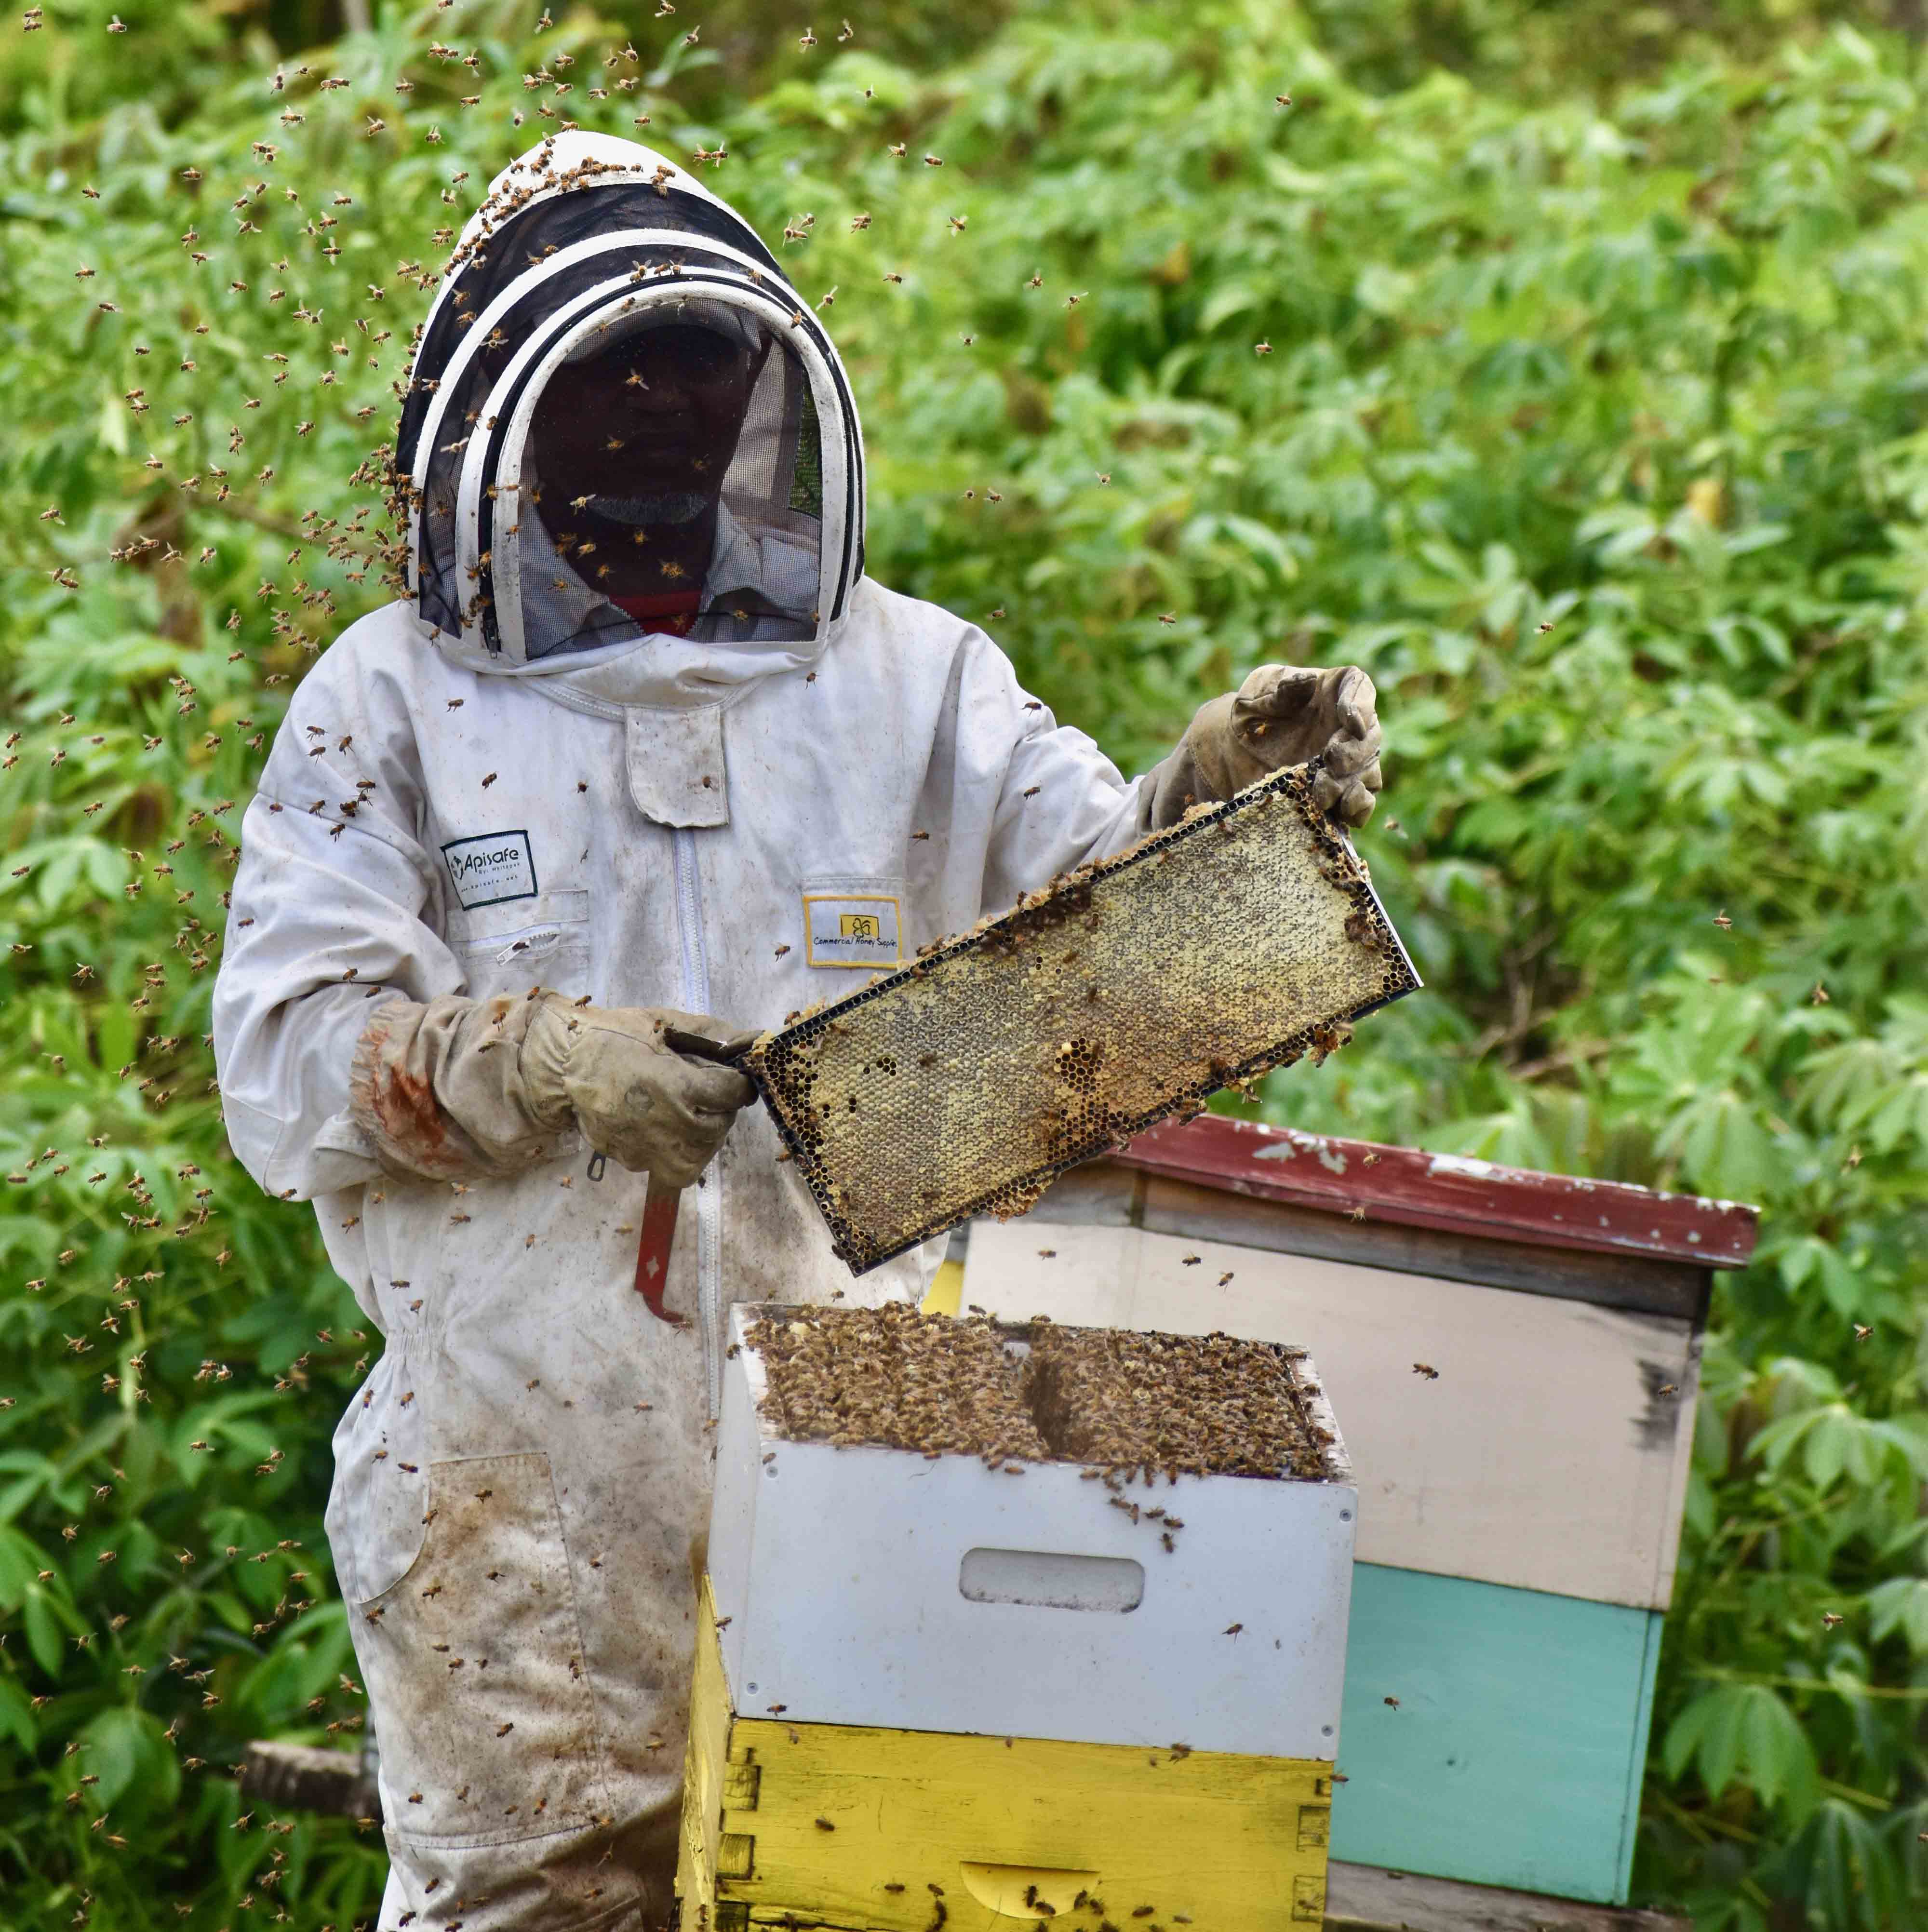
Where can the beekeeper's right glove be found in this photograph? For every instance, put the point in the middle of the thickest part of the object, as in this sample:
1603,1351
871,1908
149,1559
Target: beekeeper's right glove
462,1086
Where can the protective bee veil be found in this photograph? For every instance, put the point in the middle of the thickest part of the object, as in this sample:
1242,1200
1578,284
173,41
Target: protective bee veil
591,250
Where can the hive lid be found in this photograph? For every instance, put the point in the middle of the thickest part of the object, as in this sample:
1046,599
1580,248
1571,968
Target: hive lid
1451,1192
1243,938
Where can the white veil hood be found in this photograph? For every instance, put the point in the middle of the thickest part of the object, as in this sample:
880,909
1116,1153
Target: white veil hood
578,238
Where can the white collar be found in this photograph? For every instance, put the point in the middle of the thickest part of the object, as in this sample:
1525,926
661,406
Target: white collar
660,671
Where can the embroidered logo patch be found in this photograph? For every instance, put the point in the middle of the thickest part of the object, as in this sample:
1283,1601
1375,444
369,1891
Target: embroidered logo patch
488,870
864,929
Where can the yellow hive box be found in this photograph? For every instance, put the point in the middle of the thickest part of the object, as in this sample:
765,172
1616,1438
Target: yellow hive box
840,1826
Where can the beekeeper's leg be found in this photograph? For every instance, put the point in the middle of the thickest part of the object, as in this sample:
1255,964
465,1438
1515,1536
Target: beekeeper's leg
619,1879
523,1668
527,1674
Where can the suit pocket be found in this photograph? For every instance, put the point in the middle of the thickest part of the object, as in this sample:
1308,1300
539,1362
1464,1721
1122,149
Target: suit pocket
474,1665
379,1497
509,948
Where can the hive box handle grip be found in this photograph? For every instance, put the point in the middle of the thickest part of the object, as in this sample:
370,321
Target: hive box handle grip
1018,1892
1051,1579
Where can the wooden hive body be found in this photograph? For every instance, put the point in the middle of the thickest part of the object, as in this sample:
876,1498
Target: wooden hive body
865,1829
1520,1505
922,1673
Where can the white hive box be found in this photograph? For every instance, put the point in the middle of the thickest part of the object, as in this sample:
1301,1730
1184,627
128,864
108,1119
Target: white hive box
872,1586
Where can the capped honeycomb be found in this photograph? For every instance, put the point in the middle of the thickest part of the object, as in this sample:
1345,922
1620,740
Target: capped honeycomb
1245,937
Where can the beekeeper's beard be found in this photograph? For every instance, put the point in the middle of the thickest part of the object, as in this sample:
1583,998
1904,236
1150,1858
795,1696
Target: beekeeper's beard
671,507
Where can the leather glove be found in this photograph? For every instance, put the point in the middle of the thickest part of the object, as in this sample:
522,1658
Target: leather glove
635,1099
463,1087
1281,715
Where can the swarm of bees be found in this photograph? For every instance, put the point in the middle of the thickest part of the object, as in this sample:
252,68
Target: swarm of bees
894,1377
1118,1403
296,258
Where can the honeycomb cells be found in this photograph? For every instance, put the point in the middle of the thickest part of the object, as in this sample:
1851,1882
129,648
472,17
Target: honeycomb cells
1245,938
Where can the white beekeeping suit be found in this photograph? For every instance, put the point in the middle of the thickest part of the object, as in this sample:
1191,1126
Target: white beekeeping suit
513,780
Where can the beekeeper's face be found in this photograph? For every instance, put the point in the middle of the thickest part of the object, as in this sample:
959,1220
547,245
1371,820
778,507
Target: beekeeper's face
660,412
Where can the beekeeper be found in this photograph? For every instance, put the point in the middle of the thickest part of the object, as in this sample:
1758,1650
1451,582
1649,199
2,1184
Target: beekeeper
645,737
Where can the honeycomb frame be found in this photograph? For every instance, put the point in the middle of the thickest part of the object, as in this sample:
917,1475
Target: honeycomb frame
888,1176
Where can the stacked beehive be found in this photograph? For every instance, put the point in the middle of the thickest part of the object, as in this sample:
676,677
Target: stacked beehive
1010,1623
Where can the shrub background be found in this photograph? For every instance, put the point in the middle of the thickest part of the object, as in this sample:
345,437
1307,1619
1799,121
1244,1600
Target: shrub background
1562,364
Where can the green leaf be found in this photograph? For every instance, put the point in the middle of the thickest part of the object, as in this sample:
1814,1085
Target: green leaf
16,1717
1900,1604
125,1748
47,1622
1744,1733
21,1560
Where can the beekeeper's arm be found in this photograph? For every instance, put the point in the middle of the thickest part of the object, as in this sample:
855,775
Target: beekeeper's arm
1062,803
345,1045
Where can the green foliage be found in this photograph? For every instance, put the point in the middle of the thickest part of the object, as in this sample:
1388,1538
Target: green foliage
1590,420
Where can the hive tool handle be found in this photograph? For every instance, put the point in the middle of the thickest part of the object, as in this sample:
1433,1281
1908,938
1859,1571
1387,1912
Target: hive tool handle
659,1208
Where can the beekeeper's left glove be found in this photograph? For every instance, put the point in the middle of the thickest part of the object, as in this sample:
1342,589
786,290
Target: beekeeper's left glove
1282,714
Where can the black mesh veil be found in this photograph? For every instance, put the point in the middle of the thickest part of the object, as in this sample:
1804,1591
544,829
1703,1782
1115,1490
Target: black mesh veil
585,253
765,570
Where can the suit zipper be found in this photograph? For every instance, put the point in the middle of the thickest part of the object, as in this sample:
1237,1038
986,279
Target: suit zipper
709,1188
